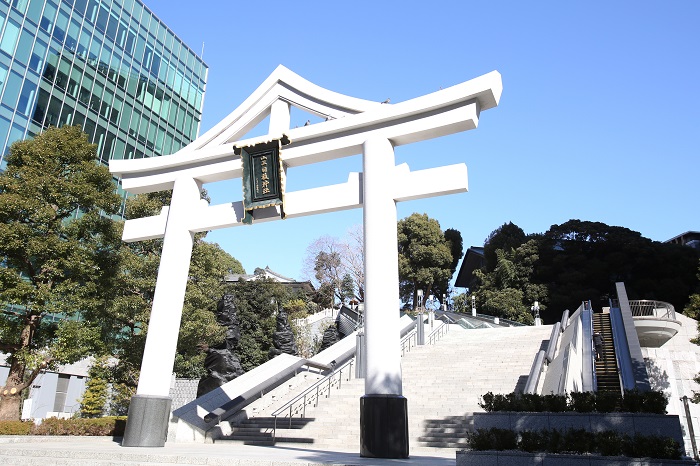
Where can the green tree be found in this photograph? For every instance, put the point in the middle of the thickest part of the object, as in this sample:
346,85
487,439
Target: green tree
581,260
508,291
454,240
95,398
206,285
506,237
57,246
128,310
425,256
256,304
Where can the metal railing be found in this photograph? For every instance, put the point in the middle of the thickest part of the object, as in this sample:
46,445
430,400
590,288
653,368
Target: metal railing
312,394
438,333
648,308
410,337
297,405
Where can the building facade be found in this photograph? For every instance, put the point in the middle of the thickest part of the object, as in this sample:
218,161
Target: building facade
110,66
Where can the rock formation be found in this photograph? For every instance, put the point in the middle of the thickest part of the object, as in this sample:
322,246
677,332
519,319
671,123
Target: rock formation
221,362
283,338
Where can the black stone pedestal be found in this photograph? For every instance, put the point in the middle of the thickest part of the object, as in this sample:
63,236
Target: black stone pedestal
147,422
384,426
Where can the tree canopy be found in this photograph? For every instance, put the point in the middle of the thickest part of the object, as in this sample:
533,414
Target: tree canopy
427,256
57,246
123,319
582,260
336,267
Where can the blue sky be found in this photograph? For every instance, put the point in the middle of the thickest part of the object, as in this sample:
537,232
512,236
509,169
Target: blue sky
599,118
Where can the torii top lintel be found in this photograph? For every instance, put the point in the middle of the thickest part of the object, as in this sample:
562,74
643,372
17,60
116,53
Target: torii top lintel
350,122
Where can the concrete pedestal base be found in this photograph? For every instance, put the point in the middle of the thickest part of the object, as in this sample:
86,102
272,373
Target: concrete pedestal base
384,426
147,423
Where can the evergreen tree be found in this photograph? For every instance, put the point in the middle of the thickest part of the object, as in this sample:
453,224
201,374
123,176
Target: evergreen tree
425,256
57,247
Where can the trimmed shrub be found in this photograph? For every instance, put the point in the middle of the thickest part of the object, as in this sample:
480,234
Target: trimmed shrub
534,441
582,402
15,427
493,439
577,441
633,401
651,446
608,402
555,403
113,426
609,443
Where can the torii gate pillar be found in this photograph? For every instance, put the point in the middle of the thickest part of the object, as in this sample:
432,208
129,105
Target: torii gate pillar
383,409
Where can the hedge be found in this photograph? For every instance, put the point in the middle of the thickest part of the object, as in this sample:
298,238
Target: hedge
104,426
576,441
632,401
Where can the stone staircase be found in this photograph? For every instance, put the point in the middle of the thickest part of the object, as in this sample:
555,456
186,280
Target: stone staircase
442,382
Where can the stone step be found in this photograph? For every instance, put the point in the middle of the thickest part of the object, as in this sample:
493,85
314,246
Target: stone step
438,389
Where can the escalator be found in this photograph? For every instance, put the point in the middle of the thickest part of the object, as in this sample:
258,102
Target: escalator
607,374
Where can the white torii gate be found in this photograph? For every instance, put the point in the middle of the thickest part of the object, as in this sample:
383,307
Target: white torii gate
352,126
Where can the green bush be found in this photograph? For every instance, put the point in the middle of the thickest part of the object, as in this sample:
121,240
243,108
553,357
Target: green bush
608,443
651,446
555,403
15,427
632,401
493,439
577,441
534,440
582,402
96,426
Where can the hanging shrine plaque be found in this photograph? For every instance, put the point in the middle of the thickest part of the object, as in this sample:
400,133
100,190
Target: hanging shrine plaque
262,177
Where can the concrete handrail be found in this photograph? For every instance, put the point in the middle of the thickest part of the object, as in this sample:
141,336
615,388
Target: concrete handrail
553,340
534,378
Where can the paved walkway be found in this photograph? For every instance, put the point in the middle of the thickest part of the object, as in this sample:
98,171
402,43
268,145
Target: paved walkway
102,451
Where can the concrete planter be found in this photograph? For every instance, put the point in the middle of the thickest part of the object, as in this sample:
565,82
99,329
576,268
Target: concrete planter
515,458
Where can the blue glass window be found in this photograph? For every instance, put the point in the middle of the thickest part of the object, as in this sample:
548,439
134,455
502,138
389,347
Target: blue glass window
16,133
80,6
25,47
47,19
66,116
20,5
14,84
112,27
3,77
35,10
4,129
74,82
36,61
91,13
59,31
53,112
73,34
9,38
102,17
26,98
41,105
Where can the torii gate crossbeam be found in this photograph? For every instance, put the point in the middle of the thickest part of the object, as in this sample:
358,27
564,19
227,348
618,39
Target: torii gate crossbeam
354,127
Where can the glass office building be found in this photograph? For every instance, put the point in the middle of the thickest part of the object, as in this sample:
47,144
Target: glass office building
110,66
